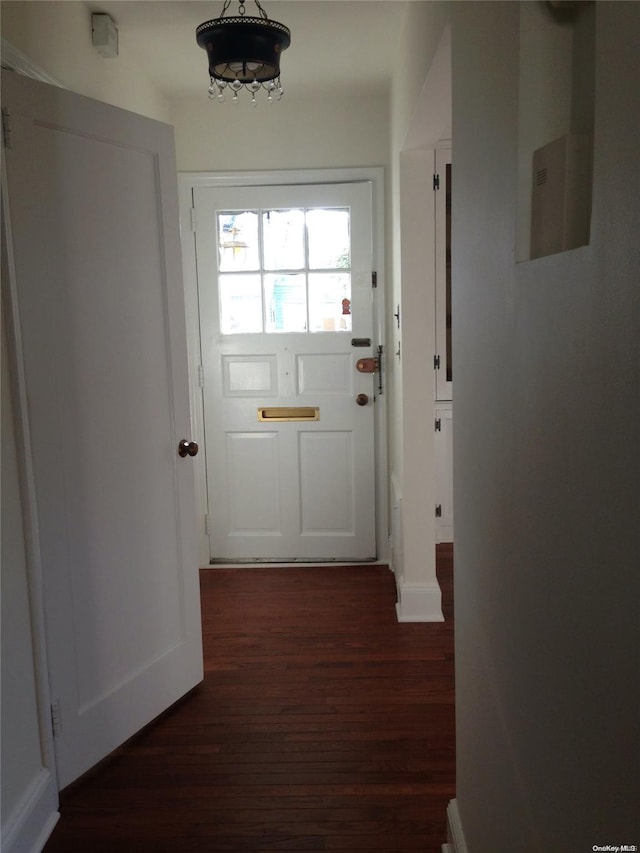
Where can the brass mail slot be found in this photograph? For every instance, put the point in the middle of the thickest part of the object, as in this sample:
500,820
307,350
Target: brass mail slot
289,413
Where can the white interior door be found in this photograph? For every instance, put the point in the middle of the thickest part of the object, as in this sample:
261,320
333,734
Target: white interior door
285,291
92,201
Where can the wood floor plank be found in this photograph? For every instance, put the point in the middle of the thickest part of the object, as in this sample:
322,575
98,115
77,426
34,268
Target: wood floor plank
322,724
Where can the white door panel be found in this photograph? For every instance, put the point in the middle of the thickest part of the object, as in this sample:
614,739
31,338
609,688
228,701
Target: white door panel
93,212
293,489
327,483
324,373
253,458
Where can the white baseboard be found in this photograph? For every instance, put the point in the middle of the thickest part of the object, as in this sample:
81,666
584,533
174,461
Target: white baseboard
30,824
419,603
457,841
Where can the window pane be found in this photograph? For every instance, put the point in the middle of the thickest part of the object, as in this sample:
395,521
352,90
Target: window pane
283,239
238,247
240,304
330,302
328,233
286,302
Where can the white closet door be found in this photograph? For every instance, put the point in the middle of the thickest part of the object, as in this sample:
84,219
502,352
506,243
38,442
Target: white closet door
92,203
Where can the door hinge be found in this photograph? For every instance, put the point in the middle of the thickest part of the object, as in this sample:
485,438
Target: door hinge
6,128
207,524
192,214
200,376
436,182
438,425
374,279
436,362
56,720
438,510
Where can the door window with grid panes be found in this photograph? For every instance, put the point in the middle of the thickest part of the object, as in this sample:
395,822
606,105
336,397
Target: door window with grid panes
284,270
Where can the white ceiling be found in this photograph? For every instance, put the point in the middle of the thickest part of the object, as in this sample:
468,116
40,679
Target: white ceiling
337,46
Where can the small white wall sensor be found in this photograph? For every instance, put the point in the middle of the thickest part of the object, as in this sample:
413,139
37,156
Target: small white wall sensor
104,35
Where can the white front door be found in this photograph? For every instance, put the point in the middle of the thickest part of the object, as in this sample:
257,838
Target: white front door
98,302
285,293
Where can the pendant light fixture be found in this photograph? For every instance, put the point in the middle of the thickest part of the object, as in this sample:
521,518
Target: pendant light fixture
244,53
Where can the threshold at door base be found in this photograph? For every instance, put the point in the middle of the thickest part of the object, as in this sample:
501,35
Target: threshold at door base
250,564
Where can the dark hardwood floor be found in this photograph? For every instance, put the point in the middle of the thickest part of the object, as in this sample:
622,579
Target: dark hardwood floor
322,724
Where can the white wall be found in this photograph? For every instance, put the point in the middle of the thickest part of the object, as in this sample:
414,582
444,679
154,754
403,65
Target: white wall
288,134
57,37
410,374
546,465
422,29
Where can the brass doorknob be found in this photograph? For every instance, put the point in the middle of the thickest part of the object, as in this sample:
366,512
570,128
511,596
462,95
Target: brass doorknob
187,448
362,399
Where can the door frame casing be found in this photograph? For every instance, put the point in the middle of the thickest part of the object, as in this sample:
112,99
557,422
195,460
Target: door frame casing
35,815
187,182
32,821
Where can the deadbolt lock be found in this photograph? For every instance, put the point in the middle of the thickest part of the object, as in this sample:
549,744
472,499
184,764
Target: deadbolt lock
367,365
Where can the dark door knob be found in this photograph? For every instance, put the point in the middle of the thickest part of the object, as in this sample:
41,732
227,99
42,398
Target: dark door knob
362,399
187,448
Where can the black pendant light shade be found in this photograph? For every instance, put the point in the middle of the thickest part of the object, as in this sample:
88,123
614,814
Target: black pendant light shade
243,52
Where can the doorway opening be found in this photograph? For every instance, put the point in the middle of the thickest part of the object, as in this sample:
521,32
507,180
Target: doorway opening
285,300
